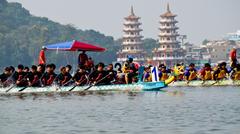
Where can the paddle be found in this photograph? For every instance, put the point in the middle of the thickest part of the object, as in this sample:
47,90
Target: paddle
81,82
8,80
33,83
140,74
10,88
10,77
94,84
36,81
22,89
78,84
15,86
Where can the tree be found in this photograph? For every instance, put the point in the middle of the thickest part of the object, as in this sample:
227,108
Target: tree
204,42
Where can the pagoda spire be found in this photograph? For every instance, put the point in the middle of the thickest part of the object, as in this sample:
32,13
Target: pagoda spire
169,51
168,8
132,12
132,43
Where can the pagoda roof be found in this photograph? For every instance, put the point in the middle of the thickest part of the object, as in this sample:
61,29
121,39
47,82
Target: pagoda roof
168,13
132,15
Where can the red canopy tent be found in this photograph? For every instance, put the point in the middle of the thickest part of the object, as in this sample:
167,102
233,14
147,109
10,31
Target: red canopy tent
74,46
69,46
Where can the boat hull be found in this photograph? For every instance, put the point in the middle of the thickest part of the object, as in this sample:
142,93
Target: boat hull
198,83
151,86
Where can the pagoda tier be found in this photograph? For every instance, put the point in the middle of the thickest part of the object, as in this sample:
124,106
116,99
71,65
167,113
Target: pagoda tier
132,39
169,51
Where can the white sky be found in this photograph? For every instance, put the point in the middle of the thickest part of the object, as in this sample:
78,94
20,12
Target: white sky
198,19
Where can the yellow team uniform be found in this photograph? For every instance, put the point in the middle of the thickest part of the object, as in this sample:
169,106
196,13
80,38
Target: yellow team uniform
222,74
164,77
192,76
208,75
236,75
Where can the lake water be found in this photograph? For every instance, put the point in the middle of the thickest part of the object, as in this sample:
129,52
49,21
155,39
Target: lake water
191,111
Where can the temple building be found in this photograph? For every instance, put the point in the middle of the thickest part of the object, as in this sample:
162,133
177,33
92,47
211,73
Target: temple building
169,51
132,40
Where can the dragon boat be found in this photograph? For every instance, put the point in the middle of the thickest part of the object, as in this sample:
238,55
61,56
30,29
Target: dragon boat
140,86
208,83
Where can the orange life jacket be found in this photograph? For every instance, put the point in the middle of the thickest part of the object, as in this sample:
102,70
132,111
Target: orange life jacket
236,75
208,75
192,76
222,74
164,77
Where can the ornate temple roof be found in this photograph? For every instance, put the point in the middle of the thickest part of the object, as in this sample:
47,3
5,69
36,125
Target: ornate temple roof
132,15
168,13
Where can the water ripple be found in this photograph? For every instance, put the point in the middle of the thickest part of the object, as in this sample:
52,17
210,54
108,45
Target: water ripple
198,111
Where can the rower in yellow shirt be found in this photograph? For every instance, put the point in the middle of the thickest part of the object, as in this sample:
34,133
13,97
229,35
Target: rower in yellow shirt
236,73
221,72
190,73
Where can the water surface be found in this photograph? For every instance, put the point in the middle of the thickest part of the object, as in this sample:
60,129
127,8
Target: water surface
191,111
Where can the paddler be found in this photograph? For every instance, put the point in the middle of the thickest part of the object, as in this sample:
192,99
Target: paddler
69,69
147,77
89,65
130,70
63,79
236,73
81,76
97,77
42,58
10,79
82,58
112,74
206,72
221,72
180,68
233,58
190,73
34,77
49,77
163,73
41,68
4,76
20,77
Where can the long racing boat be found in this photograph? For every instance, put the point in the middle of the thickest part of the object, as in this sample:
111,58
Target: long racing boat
208,83
138,87
141,86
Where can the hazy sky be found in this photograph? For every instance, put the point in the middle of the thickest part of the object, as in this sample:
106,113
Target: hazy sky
198,19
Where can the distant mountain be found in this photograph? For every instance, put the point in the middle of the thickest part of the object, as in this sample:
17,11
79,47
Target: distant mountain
22,35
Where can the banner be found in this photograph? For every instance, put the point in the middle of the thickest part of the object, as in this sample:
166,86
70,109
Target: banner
154,71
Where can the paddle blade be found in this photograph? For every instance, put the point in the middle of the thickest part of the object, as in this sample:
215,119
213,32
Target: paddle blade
140,73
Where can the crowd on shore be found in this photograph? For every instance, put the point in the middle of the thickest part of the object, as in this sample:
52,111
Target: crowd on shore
99,74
